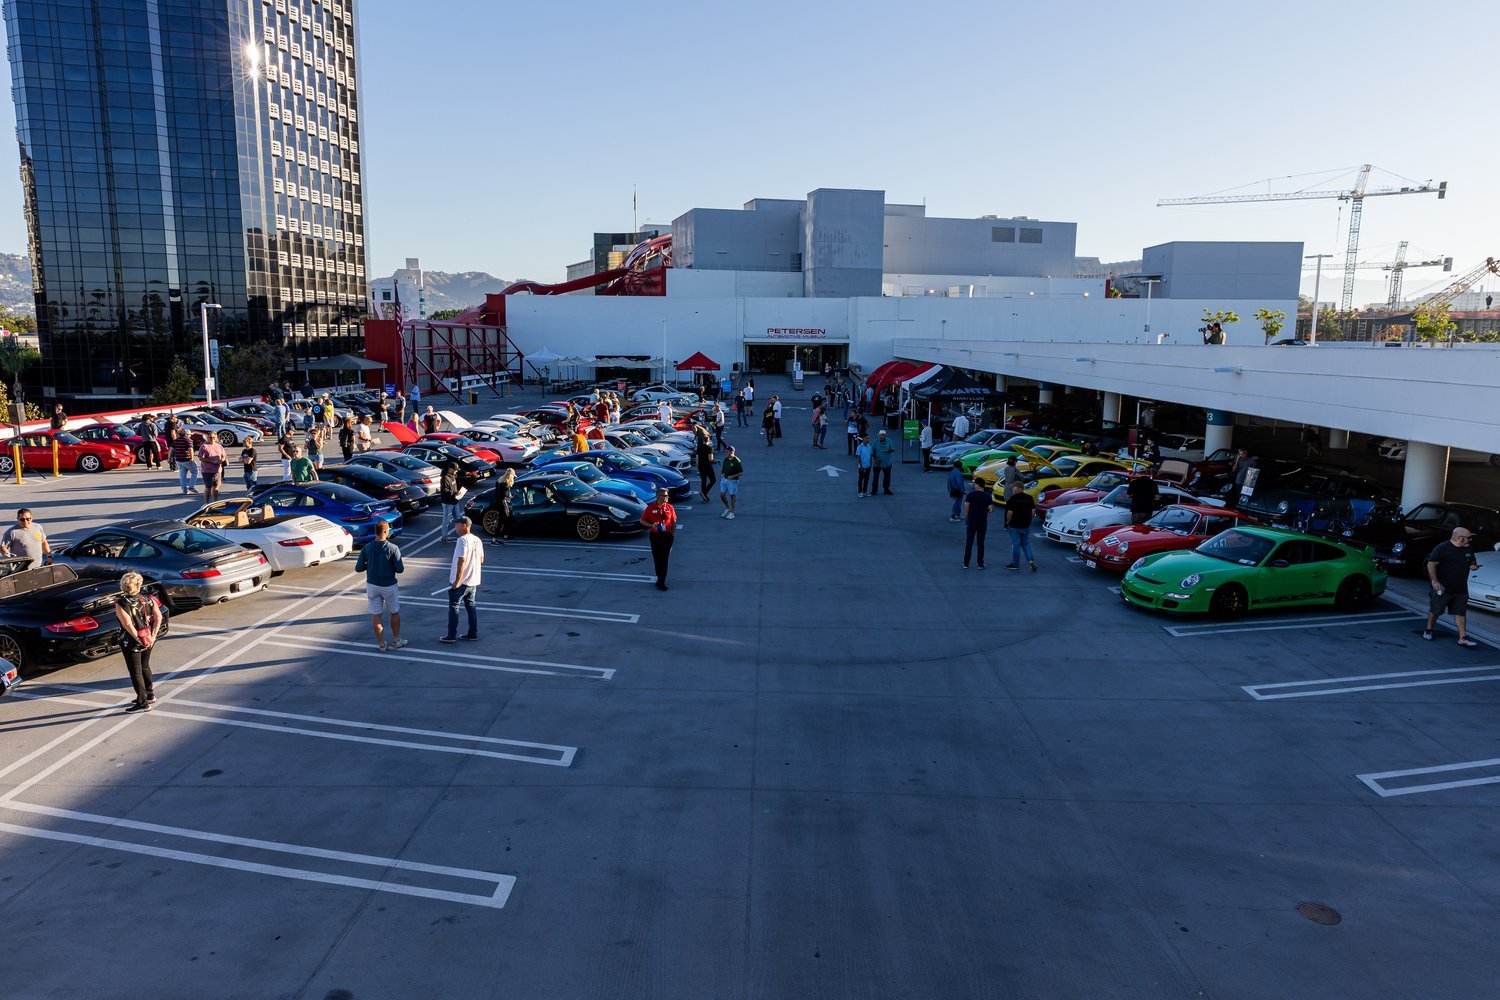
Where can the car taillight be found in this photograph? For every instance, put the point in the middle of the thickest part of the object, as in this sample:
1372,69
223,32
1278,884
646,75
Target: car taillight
359,518
289,542
84,624
393,494
199,574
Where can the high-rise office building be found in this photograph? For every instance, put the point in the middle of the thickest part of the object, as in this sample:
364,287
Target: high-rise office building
179,152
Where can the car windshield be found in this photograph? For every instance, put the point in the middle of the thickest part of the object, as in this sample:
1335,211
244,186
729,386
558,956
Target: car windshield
66,439
1430,513
633,439
405,462
587,473
1237,547
190,541
1116,497
333,491
628,461
571,489
1106,480
1175,519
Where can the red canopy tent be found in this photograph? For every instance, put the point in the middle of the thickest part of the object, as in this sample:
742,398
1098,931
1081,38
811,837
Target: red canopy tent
699,362
896,371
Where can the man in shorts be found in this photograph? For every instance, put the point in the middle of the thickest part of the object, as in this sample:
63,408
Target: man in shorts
1448,569
729,481
380,561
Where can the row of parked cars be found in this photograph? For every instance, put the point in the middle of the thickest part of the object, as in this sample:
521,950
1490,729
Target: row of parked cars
233,547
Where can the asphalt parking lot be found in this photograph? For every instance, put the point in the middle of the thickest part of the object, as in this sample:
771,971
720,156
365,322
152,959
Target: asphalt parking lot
827,763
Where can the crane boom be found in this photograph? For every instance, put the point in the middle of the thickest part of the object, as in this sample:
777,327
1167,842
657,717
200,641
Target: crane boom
1444,299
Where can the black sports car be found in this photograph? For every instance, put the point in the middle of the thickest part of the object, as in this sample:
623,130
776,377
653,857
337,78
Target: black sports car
372,482
558,504
1313,493
471,468
1402,542
50,616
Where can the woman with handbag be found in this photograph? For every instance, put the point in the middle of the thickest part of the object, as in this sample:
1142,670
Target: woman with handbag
500,505
140,622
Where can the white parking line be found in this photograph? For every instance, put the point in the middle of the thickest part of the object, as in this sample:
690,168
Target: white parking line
1349,685
1285,624
581,574
455,659
541,610
496,899
1374,781
550,754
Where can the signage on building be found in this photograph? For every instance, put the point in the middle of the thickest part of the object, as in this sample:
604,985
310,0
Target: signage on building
797,332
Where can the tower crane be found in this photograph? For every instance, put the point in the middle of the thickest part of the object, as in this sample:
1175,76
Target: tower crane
1444,299
1355,196
1396,268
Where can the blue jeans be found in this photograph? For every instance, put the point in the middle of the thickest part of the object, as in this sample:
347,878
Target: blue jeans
1020,541
958,505
250,481
464,595
187,474
450,519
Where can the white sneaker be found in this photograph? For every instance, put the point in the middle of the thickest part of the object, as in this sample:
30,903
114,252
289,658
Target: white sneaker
730,515
724,513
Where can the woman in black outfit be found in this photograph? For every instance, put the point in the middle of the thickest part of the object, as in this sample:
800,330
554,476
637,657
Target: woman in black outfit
768,424
500,504
140,622
346,438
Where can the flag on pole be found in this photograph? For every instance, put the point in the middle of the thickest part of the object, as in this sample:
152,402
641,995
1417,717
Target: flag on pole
396,312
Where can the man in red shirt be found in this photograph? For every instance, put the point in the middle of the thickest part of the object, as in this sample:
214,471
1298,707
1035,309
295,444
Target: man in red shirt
660,519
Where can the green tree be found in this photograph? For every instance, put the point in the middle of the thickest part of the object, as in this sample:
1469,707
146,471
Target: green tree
16,357
181,386
17,322
443,314
1271,322
247,370
1433,325
33,411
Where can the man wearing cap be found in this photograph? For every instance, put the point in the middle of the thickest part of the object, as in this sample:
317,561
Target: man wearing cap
463,580
884,457
660,519
729,481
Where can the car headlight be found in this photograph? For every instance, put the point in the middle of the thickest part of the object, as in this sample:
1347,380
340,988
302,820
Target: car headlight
1283,507
1138,564
1083,524
1398,548
1124,547
1189,582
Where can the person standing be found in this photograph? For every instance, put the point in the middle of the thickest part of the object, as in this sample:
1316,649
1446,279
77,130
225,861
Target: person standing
431,422
59,419
776,413
150,441
660,519
664,412
182,457
315,441
380,561
247,463
768,425
924,441
719,420
302,468
27,538
140,624
283,417
864,457
211,461
956,485
977,506
705,457
1448,567
885,457
500,506
1019,509
170,428
822,428
468,557
741,409
851,433
1010,476
346,438
449,495
415,396
1143,493
749,392
288,451
960,426
729,484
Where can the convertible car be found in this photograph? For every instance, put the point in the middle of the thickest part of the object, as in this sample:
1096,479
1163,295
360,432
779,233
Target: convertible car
288,539
555,503
52,616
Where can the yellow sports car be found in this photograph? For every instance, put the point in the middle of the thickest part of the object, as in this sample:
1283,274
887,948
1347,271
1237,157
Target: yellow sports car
1068,471
988,474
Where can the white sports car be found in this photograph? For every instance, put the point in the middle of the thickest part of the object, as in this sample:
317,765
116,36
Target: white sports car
1072,524
511,449
228,433
288,541
1484,586
657,393
659,454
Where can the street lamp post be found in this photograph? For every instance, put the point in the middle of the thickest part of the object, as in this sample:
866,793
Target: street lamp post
1312,335
663,352
208,372
1150,283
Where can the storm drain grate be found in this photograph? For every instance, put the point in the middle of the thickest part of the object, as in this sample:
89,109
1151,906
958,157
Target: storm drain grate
1320,913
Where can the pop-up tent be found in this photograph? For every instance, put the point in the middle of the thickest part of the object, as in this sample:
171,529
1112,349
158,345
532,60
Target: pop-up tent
896,371
699,362
954,386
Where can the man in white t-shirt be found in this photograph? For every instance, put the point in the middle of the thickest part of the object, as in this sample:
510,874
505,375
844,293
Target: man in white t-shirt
960,427
463,580
664,412
776,413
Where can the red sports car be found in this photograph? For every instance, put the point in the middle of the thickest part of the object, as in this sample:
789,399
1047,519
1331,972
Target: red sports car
72,453
121,434
468,444
1177,526
1093,490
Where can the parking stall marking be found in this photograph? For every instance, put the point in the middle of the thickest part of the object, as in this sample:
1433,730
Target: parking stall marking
494,899
468,661
539,610
1348,685
547,753
581,574
1376,781
1285,624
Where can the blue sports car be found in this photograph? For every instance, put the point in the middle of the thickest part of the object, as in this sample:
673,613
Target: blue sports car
345,507
619,465
598,480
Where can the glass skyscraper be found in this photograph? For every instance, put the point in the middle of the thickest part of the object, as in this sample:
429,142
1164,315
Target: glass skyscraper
175,152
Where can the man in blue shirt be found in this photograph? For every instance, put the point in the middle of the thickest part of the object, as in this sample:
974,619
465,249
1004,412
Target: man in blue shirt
977,506
380,561
885,457
956,485
865,456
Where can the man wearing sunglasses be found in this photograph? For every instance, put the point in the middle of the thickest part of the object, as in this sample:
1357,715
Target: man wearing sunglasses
1448,568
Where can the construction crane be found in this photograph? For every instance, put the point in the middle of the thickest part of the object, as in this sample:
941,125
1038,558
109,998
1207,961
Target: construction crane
1355,196
1443,299
1398,267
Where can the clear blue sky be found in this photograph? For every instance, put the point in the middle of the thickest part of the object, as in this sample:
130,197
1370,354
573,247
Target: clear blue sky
499,137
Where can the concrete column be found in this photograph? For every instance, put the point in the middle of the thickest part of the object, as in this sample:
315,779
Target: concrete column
1337,438
1111,407
1044,392
1219,431
1001,383
1426,476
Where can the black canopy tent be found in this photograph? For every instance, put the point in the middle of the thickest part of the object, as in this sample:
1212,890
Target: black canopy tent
954,386
343,363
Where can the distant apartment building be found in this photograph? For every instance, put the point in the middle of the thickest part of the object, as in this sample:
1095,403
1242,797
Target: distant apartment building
406,285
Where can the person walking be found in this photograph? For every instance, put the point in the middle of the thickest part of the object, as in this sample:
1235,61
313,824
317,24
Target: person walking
1010,476
660,518
1019,510
346,438
183,446
776,413
851,433
283,417
27,538
1143,493
468,557
977,506
822,429
664,412
924,441
140,623
247,463
170,428
211,462
150,441
707,477
729,483
1448,567
741,409
303,470
816,413
956,485
749,392
380,561
719,420
885,457
864,458
288,451
768,425
449,495
316,438
500,506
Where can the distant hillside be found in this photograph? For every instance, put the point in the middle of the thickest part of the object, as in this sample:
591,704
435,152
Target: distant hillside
460,291
15,284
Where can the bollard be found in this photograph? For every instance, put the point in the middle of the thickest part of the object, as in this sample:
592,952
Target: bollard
56,462
15,451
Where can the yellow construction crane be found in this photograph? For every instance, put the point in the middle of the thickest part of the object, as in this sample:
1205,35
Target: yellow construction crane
1355,196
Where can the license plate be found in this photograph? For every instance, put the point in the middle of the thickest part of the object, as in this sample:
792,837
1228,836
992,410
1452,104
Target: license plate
1091,564
9,678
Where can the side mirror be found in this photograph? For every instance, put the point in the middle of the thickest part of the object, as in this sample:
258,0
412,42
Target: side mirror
1279,564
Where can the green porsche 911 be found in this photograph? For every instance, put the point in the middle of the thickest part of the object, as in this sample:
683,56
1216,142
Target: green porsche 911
1252,568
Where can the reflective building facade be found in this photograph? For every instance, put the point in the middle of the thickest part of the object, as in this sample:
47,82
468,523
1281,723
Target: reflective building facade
175,152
